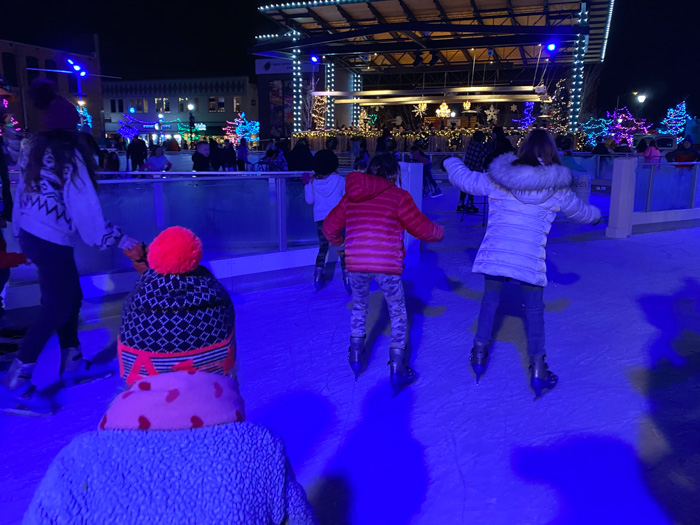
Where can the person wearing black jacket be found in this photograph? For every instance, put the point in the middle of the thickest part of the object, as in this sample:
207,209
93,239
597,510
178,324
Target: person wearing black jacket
228,156
200,158
300,158
137,151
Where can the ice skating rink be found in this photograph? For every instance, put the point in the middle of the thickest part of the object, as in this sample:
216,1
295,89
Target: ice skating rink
617,442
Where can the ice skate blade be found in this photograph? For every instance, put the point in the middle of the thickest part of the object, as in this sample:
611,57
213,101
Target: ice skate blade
69,383
398,384
25,412
542,387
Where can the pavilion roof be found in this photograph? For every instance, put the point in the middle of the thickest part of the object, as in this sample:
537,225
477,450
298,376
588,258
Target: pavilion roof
413,36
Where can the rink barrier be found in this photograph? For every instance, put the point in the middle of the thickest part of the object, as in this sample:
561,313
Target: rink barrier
288,232
651,193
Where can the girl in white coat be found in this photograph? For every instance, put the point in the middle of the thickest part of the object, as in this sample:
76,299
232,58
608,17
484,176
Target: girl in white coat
324,191
525,193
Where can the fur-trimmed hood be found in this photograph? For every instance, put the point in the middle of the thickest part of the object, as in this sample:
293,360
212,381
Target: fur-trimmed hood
528,184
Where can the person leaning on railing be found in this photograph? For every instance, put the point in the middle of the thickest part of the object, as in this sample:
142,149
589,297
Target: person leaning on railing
685,152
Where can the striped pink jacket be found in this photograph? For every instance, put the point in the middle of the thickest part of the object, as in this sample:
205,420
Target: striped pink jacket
374,214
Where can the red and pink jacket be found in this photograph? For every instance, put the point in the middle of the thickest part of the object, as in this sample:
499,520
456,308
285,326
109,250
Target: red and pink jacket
375,214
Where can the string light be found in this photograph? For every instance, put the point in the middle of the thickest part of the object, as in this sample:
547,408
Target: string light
242,128
527,120
308,3
625,126
330,101
297,86
675,121
356,86
594,128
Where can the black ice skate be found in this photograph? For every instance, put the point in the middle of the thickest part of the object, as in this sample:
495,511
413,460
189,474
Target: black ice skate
479,359
400,374
76,370
8,351
19,396
12,335
357,355
541,379
319,278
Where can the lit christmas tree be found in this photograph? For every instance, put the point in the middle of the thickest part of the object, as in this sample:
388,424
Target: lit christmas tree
527,120
594,128
625,126
561,102
318,112
242,128
675,120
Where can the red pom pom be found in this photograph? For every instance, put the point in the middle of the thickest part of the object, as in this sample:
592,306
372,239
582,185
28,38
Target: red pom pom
175,251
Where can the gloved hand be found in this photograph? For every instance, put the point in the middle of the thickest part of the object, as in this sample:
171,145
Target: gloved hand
127,243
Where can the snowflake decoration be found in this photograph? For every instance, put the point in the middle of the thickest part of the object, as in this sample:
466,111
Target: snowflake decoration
544,109
514,108
419,110
491,114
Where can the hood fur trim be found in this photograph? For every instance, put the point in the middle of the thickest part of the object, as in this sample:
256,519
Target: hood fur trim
522,178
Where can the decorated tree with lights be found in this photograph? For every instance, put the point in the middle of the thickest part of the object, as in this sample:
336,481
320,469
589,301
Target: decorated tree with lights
561,103
242,128
527,120
318,111
594,128
675,120
625,126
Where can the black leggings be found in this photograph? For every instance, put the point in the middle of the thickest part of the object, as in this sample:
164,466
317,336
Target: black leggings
61,296
323,246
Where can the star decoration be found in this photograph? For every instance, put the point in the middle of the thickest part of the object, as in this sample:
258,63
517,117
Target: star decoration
419,110
514,108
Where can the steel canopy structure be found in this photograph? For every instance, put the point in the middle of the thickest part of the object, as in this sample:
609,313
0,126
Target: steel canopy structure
396,48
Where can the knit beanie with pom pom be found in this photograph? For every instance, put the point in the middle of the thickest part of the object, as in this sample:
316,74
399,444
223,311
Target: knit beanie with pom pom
179,317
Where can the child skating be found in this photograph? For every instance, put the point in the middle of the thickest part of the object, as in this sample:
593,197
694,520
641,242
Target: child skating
56,204
324,190
375,213
525,193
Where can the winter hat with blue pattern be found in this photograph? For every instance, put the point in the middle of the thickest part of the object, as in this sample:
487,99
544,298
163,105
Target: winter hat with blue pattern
179,316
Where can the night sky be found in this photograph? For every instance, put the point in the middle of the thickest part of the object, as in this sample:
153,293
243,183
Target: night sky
650,48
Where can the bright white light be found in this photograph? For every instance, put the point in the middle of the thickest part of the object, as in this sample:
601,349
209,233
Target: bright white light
641,98
160,115
190,107
81,103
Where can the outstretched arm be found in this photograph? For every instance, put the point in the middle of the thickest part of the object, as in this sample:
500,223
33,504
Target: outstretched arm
574,208
416,223
334,224
472,182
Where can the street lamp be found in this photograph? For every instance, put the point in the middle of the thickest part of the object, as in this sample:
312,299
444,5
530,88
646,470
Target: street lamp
641,98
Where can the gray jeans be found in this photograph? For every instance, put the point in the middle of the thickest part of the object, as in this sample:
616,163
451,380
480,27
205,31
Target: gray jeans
392,288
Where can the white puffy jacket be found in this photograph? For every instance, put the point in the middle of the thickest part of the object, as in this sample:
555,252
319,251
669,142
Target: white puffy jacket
523,201
324,194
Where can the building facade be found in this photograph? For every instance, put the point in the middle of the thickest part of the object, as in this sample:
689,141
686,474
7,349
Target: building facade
162,107
16,58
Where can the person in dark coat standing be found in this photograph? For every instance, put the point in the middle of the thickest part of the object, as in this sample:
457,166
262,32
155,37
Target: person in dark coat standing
200,158
137,151
301,158
228,156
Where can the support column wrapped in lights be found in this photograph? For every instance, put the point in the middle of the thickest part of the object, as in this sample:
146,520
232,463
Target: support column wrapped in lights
577,70
356,86
330,101
297,85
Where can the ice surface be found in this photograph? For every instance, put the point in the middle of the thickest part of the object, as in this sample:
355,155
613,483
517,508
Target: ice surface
616,442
